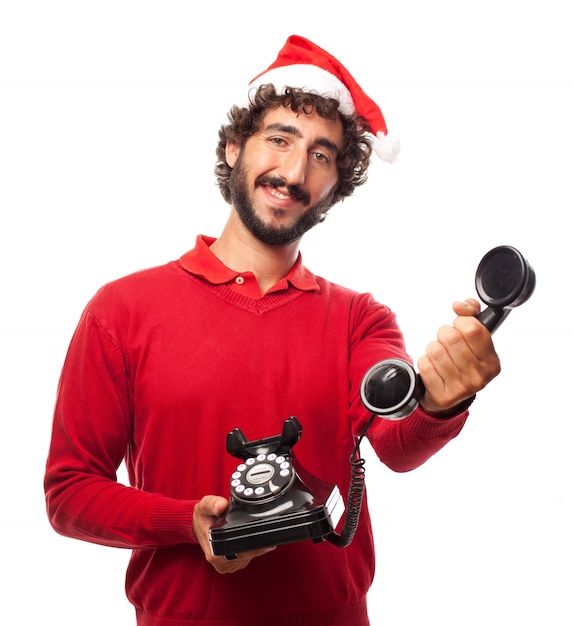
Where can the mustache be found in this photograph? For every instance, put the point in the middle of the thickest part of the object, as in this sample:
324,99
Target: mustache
277,183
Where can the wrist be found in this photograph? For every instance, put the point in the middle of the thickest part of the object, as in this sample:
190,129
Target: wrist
452,411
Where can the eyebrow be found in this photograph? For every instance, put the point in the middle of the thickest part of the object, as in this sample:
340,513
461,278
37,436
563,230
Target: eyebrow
293,130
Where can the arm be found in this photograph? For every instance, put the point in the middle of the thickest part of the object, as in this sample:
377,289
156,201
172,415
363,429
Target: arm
459,363
91,435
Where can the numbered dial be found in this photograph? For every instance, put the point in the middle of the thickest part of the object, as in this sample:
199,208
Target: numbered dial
262,478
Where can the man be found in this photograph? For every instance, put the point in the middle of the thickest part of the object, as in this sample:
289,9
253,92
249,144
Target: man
238,333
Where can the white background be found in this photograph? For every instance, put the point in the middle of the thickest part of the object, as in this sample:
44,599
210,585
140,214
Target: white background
108,120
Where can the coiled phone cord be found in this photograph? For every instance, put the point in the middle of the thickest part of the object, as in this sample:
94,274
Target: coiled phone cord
355,494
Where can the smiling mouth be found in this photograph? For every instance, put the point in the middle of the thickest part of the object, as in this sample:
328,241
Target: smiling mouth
282,191
277,193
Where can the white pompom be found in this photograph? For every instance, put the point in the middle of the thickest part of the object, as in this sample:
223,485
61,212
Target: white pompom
386,147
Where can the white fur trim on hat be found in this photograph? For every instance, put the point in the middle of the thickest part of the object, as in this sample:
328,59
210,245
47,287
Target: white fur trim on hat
308,77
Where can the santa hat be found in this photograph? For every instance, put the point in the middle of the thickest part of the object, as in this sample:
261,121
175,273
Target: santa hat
303,64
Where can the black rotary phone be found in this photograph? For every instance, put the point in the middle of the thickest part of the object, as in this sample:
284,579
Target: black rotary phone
274,501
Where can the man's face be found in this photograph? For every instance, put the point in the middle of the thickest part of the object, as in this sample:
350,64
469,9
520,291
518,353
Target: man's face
285,175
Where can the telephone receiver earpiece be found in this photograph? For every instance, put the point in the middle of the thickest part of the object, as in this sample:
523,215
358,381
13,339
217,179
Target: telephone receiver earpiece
504,280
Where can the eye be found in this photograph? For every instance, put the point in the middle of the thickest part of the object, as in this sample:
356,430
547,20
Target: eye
278,141
320,157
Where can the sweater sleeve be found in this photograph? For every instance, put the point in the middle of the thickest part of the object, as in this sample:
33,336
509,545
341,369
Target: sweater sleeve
402,445
90,437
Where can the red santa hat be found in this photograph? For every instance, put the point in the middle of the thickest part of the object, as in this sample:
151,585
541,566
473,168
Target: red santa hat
303,64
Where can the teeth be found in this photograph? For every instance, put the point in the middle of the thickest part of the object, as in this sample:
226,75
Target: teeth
278,194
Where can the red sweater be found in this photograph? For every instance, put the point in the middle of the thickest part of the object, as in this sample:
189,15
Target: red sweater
163,364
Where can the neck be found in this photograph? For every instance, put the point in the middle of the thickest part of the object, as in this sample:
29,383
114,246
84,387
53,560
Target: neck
238,249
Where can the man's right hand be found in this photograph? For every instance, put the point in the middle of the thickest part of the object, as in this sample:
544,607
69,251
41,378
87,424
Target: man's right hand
208,511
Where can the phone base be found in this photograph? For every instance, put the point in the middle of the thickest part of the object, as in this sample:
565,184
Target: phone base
298,515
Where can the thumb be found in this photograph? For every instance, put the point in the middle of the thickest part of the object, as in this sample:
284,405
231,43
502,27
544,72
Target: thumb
216,505
470,306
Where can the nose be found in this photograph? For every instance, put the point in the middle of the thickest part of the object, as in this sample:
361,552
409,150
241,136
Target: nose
293,167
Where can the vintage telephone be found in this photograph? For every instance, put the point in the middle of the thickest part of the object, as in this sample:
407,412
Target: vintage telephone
275,501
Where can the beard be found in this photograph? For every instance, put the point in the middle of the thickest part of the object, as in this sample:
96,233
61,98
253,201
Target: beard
267,233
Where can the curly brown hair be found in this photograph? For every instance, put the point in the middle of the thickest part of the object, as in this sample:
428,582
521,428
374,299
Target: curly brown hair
352,160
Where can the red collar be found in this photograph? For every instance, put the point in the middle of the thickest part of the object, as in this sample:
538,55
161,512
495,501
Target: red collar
202,262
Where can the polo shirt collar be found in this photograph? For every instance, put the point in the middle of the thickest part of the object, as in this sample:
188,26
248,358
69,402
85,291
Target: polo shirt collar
202,262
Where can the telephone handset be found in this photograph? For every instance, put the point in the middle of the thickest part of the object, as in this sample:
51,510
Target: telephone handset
504,280
275,501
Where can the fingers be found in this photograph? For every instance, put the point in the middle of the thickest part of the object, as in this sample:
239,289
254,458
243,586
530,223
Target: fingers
228,566
459,363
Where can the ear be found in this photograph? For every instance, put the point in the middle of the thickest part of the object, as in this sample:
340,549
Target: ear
232,151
